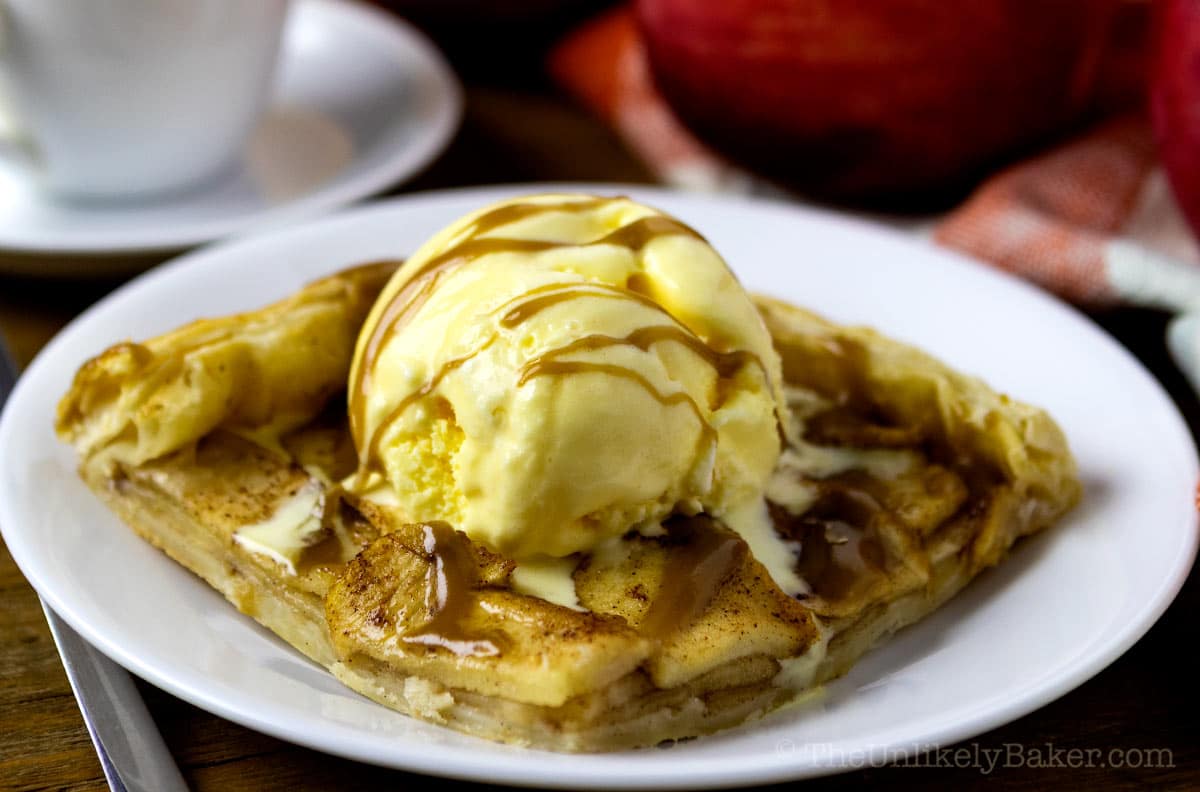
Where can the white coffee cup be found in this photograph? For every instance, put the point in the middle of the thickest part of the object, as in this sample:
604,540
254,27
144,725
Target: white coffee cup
128,98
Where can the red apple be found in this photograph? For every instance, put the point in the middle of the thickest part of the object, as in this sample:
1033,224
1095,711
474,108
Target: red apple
1175,100
874,97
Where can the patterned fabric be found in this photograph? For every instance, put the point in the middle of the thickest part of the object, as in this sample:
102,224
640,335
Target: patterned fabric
1050,218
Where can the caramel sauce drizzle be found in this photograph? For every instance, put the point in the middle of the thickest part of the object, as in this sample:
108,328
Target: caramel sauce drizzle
700,558
421,284
540,367
534,301
642,338
694,570
395,316
634,236
368,462
724,363
451,576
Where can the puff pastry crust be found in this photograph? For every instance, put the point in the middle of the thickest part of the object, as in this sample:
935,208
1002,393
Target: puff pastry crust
901,481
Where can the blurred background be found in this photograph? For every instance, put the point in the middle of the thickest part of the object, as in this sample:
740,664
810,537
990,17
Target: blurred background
904,104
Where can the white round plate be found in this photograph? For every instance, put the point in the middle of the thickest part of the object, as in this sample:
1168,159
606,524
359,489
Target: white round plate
362,101
1065,605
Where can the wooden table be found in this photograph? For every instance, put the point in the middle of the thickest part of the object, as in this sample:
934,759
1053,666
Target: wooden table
1146,700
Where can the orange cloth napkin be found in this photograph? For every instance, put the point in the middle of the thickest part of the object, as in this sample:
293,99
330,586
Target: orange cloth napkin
1092,219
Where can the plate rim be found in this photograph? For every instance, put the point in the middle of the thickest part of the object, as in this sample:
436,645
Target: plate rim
402,164
705,772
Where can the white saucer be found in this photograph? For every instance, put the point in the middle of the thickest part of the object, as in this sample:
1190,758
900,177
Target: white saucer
1065,605
362,101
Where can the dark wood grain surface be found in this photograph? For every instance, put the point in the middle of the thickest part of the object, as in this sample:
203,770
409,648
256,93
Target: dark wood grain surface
1144,705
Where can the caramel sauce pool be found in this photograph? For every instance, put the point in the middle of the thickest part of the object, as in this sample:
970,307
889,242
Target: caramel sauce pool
451,579
839,548
694,570
700,558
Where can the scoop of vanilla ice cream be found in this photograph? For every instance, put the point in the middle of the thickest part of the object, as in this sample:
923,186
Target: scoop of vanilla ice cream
554,370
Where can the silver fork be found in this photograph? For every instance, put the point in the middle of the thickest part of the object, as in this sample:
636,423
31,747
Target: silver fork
131,750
